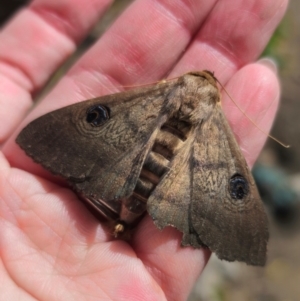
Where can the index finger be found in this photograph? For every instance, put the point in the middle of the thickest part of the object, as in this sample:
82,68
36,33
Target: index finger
33,45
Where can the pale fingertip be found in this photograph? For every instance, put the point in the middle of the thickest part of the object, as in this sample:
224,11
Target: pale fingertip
269,63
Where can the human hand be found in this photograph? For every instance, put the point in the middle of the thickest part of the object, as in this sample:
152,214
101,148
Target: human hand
51,247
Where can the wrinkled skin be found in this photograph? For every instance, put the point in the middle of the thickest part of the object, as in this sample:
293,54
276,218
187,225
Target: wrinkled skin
51,247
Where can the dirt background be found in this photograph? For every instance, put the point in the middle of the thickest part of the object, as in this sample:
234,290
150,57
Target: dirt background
280,279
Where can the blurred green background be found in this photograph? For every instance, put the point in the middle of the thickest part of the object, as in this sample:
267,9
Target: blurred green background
277,174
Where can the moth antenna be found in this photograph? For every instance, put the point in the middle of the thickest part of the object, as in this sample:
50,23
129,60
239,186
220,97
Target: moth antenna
147,84
251,120
161,81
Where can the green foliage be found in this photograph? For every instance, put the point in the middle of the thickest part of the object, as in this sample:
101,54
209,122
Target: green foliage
275,45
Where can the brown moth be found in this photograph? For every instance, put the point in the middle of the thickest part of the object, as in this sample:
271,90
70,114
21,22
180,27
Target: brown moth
166,149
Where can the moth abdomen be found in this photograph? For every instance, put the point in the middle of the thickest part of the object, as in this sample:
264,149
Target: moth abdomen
171,137
179,128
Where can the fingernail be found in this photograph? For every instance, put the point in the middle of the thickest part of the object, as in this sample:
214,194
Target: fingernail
270,63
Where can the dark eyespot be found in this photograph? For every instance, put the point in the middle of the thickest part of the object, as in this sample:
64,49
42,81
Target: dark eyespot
97,115
238,187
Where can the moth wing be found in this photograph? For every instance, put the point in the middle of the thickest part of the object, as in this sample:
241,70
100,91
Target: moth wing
100,161
169,204
216,178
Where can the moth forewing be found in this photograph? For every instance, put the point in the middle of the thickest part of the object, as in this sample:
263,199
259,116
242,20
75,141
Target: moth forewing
165,148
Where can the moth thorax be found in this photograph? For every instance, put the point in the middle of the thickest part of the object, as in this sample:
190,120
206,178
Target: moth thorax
170,138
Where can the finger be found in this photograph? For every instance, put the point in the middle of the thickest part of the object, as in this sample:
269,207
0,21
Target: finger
157,43
144,43
234,34
33,45
256,91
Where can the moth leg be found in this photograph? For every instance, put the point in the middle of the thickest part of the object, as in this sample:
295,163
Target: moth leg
118,230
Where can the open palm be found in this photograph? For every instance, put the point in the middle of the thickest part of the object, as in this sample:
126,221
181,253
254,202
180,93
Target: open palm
51,247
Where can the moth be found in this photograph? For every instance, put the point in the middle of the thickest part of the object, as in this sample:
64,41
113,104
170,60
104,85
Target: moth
165,149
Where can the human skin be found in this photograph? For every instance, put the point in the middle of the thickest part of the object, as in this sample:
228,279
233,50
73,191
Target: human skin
51,247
